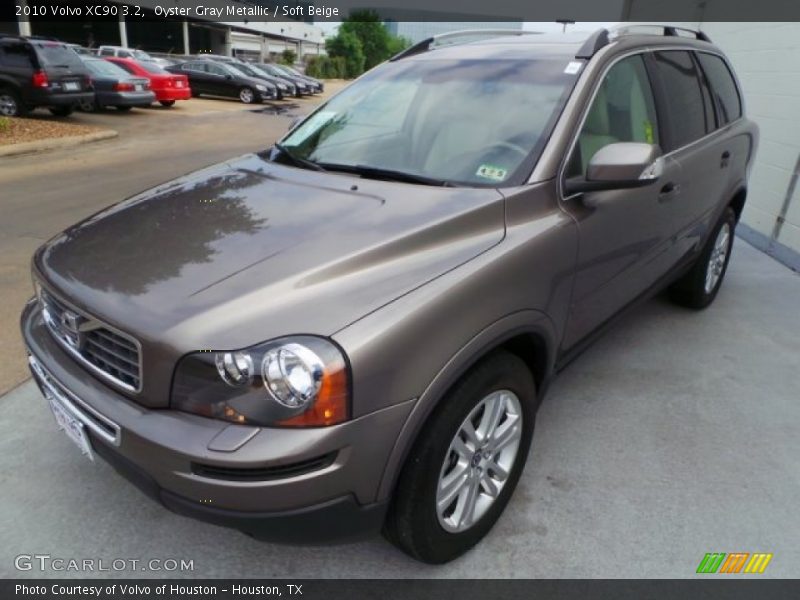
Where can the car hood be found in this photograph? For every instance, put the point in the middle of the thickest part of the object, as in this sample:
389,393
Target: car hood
250,250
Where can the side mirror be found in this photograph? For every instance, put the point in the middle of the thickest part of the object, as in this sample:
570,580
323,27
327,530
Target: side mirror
228,76
619,166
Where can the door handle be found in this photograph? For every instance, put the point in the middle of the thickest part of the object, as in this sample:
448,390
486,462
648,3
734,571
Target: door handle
725,159
668,191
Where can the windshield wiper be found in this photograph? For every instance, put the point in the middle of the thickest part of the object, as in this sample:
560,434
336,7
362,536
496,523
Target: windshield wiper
389,174
296,160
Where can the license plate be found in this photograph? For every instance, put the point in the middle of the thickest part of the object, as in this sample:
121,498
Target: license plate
72,86
179,84
139,87
71,426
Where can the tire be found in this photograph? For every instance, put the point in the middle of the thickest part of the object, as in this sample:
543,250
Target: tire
698,288
89,106
61,111
428,527
247,95
167,103
123,108
11,103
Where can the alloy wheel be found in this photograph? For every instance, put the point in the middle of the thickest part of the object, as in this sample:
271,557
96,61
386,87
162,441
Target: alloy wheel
479,461
8,105
246,95
719,255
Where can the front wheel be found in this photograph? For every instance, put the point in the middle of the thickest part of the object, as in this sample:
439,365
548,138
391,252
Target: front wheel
466,462
247,95
698,288
167,103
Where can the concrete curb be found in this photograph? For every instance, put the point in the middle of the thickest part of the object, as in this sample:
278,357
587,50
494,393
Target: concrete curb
55,143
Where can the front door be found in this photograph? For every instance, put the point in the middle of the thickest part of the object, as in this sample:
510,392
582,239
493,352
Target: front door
625,236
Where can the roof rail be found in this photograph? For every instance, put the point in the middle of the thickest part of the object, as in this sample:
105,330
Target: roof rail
596,41
431,42
668,30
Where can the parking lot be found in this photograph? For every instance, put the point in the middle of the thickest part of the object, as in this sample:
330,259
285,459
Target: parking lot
675,435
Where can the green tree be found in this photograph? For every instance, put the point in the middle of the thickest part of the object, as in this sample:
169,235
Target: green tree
398,43
367,26
289,57
347,46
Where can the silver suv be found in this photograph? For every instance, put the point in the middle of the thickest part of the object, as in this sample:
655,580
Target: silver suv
353,329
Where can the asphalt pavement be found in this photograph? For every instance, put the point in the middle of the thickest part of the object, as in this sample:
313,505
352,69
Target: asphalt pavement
675,435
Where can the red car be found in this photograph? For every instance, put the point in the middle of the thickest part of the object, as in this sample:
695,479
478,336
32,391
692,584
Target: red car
168,87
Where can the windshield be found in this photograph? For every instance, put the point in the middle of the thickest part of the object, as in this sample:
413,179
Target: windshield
469,122
103,68
141,55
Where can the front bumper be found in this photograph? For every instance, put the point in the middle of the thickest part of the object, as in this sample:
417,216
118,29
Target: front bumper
234,475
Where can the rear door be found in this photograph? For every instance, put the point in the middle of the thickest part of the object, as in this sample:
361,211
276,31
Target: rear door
695,142
199,79
626,241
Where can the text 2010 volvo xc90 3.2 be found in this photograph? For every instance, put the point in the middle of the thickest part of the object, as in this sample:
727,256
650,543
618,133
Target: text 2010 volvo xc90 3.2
352,330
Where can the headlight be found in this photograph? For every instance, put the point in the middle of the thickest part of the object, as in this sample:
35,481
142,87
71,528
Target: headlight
300,381
261,88
283,87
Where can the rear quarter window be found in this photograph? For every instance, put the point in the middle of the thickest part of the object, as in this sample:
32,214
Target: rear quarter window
723,87
16,56
689,113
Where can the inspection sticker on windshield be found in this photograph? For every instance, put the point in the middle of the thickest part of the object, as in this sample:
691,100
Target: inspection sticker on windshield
492,172
573,68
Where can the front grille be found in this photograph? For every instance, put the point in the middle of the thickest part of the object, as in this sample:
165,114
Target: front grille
264,473
109,353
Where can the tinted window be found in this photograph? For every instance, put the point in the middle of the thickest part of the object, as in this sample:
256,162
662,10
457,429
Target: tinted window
723,87
57,55
16,55
106,52
689,113
216,70
622,111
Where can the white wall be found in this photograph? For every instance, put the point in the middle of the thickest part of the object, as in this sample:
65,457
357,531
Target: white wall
766,57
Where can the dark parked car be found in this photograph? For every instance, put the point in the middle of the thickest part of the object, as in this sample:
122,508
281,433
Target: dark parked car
352,330
302,87
218,79
41,73
282,88
316,86
116,87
